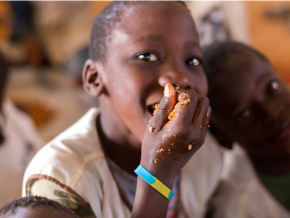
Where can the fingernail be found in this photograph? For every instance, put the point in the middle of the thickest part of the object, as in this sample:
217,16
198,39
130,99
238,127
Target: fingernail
166,91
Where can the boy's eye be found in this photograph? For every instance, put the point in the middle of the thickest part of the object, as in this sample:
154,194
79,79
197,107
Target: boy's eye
243,116
148,57
193,62
273,86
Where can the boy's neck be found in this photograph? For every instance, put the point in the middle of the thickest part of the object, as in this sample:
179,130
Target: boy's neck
125,156
272,165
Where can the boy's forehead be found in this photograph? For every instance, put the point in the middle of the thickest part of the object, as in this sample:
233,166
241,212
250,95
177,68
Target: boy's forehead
238,62
155,16
157,24
154,9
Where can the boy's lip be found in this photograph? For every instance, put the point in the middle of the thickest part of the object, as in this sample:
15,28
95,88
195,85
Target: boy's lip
153,100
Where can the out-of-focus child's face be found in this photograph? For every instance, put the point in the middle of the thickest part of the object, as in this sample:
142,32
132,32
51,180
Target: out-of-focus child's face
251,103
155,44
37,212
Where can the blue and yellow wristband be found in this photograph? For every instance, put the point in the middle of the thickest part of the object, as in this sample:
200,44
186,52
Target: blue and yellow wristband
154,182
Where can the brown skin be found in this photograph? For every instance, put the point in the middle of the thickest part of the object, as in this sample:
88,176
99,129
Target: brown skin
251,105
128,86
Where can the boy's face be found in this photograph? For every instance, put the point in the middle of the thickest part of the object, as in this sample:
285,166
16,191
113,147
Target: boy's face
252,104
156,43
37,212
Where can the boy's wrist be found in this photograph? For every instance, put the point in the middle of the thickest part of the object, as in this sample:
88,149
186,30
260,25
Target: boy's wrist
154,182
161,173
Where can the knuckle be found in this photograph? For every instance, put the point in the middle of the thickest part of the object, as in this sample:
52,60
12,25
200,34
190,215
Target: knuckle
163,104
198,139
194,99
204,100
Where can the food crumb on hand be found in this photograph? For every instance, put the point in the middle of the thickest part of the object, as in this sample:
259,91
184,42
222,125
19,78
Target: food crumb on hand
190,147
170,116
156,108
185,102
155,161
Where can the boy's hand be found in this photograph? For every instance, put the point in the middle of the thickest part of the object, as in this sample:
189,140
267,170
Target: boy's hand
168,145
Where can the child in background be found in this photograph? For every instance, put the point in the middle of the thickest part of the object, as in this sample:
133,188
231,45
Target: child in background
251,106
19,141
139,52
36,207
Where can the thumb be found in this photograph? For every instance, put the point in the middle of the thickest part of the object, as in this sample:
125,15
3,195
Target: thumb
166,105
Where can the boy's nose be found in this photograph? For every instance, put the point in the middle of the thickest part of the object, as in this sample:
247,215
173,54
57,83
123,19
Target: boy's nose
178,79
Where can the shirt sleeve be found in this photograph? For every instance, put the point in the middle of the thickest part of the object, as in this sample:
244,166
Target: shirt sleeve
49,189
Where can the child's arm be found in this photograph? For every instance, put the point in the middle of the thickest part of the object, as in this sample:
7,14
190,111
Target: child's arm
167,147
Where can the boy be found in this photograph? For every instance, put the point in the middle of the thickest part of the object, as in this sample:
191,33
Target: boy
35,207
251,106
138,51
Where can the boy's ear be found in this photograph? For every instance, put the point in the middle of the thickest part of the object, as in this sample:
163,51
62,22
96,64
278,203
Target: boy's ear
222,138
92,78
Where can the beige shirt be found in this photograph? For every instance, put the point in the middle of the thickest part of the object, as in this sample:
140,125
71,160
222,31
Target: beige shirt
241,194
75,162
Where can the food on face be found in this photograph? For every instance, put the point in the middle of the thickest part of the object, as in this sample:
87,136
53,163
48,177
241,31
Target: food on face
151,129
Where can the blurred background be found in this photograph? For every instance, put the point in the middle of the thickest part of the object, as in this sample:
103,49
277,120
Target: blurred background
46,44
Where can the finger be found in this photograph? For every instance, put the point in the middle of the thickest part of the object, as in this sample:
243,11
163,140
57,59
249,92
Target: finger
202,124
166,105
208,116
202,114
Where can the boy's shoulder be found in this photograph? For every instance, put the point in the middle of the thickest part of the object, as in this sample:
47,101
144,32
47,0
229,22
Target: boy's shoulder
72,150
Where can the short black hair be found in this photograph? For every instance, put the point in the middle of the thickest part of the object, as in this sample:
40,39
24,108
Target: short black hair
105,23
217,53
33,202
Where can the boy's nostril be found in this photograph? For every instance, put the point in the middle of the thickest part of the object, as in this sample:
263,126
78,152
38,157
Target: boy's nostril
175,86
187,87
179,87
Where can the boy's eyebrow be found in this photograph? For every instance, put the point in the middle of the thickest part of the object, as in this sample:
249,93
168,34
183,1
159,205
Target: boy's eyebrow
158,38
193,43
262,78
150,37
